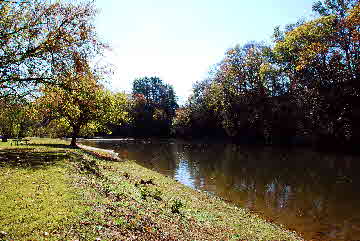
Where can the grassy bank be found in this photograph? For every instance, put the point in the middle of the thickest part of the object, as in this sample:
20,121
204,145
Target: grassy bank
49,191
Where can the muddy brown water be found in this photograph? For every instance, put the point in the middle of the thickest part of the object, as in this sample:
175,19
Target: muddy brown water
316,194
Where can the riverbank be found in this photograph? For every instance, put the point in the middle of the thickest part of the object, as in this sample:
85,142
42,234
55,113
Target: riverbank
51,191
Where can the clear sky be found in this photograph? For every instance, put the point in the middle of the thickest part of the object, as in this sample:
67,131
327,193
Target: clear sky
178,40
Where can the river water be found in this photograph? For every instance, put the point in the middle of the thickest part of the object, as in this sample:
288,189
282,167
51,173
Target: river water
314,193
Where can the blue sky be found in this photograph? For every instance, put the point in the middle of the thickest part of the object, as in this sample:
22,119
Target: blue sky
179,40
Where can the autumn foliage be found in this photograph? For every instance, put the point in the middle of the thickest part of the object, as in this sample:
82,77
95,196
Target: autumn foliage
302,90
39,40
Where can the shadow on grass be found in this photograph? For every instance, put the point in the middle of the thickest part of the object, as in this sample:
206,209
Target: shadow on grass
28,158
64,146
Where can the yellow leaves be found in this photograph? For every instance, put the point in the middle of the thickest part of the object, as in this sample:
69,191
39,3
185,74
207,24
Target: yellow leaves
182,117
318,30
309,53
231,51
315,38
353,19
307,41
159,114
265,68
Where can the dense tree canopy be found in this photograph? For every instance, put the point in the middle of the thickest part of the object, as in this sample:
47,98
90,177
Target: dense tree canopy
321,58
40,40
46,48
156,93
154,105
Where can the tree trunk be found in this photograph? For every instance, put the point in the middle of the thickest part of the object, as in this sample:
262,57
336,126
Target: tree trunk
74,135
73,141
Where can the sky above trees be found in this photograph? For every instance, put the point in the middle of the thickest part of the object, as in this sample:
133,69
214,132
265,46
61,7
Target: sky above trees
180,40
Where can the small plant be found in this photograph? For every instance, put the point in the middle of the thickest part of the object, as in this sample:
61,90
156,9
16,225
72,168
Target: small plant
157,195
175,207
120,221
144,193
236,237
87,166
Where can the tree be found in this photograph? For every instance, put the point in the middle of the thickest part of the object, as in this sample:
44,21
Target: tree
13,121
244,81
154,105
200,114
334,7
235,98
40,40
321,58
80,106
325,50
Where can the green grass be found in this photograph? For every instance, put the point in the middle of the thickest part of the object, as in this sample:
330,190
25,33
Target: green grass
35,202
37,199
53,192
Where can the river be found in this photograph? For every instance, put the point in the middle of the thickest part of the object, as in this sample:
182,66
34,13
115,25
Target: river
316,194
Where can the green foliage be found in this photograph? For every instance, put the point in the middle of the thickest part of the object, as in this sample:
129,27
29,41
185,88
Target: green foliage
153,106
175,207
306,41
333,7
81,107
322,62
305,89
144,193
235,97
13,119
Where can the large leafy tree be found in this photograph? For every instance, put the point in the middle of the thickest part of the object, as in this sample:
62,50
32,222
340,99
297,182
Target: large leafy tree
40,40
236,96
241,87
325,49
80,106
321,58
154,106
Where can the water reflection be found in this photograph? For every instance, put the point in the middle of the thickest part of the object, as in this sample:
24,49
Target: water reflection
315,194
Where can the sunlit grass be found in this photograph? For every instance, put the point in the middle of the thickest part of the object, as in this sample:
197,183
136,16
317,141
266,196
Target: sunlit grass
37,197
53,192
35,203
